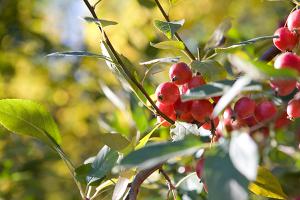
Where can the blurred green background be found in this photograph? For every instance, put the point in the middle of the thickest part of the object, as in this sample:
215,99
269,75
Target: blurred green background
70,88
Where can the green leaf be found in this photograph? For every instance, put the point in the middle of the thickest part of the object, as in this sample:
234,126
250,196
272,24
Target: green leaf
101,22
258,70
146,138
115,141
161,60
147,3
102,164
154,154
210,69
26,117
244,43
223,180
169,45
169,28
267,185
218,35
79,54
138,114
217,88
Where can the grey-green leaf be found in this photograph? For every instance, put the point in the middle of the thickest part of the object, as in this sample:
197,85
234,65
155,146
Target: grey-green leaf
161,60
211,70
222,178
169,28
154,154
217,88
218,35
79,54
29,118
169,45
101,22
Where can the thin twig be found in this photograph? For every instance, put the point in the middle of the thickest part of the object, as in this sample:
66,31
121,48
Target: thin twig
127,72
169,182
186,49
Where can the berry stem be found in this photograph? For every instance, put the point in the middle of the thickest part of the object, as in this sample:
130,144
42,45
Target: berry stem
186,49
128,73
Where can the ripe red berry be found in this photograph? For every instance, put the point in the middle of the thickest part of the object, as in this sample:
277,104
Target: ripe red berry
201,110
287,39
166,109
186,117
293,20
216,99
283,87
180,73
182,107
287,60
167,93
244,107
298,85
265,110
207,125
293,108
282,121
200,167
228,118
250,121
196,81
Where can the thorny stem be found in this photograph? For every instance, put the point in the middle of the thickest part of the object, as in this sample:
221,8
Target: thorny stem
127,72
186,49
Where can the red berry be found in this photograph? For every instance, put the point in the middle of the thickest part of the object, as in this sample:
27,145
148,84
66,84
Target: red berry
287,39
180,73
228,118
216,99
287,60
293,108
186,117
250,121
282,121
196,81
283,87
165,123
200,167
207,125
201,110
265,110
167,93
182,107
293,20
166,109
244,107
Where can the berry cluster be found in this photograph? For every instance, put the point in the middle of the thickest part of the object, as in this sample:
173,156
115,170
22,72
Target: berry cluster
169,101
288,39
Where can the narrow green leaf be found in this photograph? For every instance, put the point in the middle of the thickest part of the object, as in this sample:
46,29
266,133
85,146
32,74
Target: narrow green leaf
169,45
79,54
101,22
217,88
161,60
138,114
218,35
154,154
147,3
244,43
267,185
211,70
26,117
146,138
169,28
115,141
